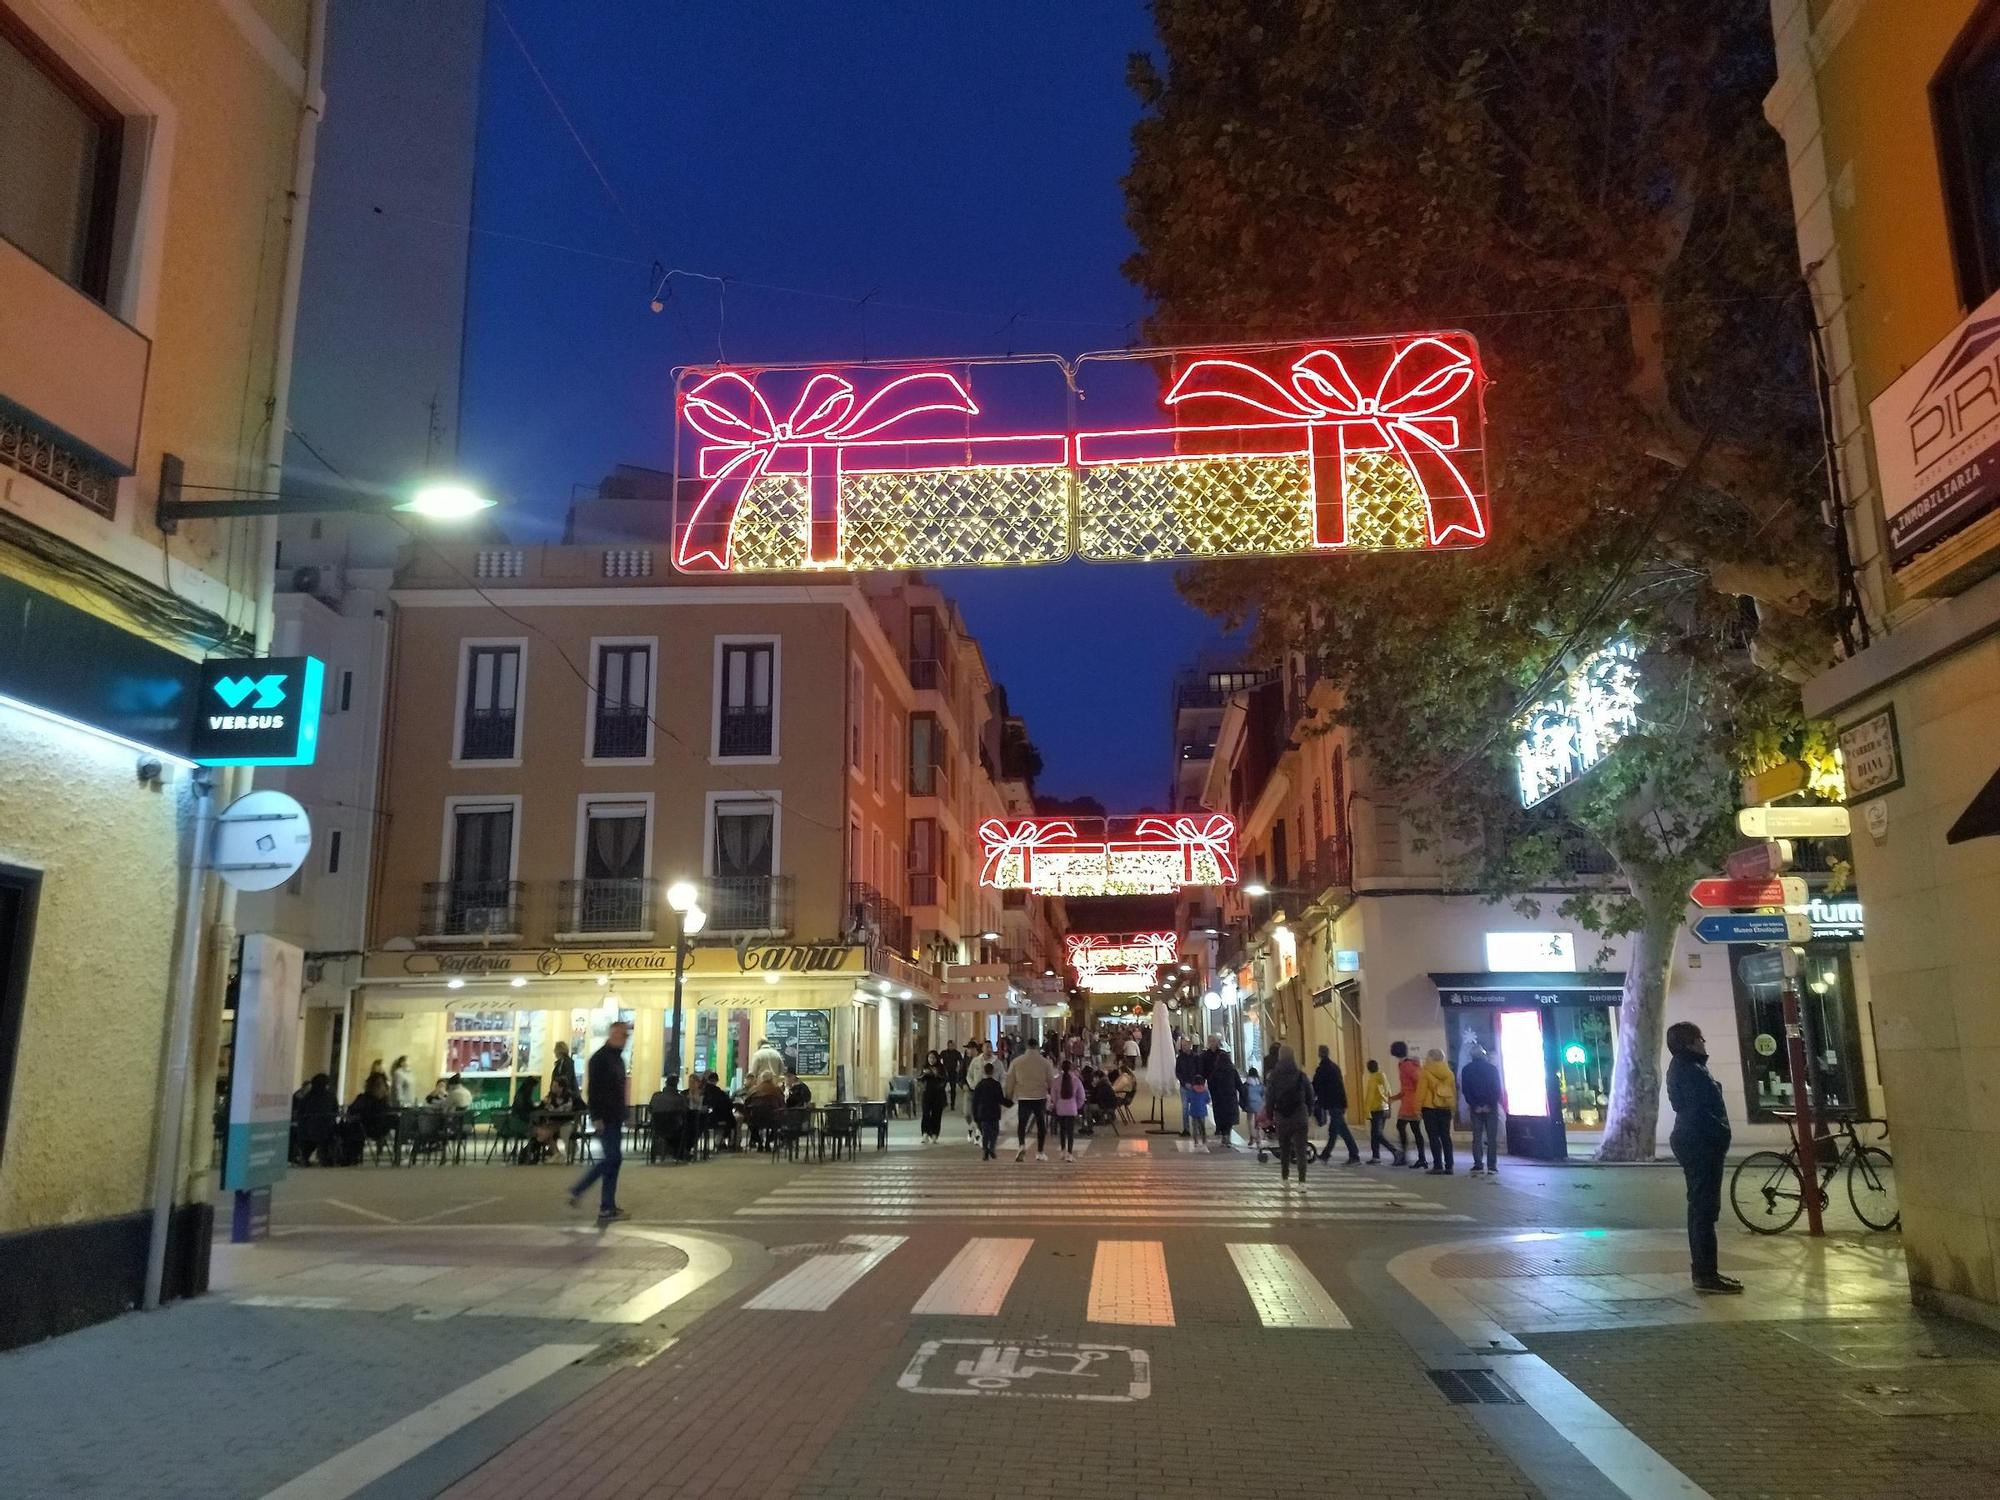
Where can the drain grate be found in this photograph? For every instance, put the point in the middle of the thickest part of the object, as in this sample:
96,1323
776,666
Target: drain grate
1474,1388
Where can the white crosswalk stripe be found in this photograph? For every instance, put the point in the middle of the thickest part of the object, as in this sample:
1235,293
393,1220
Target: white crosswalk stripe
816,1284
1284,1292
975,1283
1128,1284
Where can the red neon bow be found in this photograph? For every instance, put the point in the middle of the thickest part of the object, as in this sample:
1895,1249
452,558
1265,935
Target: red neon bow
730,411
998,840
1426,376
1215,836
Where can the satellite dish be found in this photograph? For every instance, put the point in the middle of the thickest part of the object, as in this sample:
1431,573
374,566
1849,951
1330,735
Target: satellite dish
261,839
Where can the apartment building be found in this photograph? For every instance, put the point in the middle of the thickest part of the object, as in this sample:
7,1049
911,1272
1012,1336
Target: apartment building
1886,111
1350,932
572,729
150,157
1200,693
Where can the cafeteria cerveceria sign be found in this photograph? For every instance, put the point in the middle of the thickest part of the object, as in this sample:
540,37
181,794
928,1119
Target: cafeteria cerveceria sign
804,959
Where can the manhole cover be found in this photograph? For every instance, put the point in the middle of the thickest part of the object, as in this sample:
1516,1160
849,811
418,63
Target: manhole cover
1474,1388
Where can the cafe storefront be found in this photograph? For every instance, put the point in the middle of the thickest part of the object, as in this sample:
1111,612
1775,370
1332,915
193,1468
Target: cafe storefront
494,1015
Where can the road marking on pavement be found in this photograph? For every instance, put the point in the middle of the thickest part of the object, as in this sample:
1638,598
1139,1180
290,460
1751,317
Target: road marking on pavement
366,1213
1050,1372
976,1282
706,1261
1250,1213
1128,1284
456,1208
1132,1146
816,1284
1284,1292
355,1468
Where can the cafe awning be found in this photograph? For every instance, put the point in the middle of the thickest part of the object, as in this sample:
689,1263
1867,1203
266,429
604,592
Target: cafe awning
1488,987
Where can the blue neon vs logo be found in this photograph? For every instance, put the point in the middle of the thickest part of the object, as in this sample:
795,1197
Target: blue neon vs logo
270,690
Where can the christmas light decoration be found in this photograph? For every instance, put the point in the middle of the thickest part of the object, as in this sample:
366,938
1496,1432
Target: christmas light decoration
1340,445
1114,982
1090,951
1136,856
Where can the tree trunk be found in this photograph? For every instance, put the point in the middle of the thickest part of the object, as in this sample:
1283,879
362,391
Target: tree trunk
1631,1126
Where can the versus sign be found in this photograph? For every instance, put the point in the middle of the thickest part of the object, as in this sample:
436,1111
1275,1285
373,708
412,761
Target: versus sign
260,711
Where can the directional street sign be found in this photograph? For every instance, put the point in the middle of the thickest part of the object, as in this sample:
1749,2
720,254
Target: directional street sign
1778,927
1788,892
1760,861
1768,965
1821,822
1780,780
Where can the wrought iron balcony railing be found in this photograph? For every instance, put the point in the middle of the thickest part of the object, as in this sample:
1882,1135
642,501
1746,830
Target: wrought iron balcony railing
607,906
471,908
929,672
872,916
489,734
747,904
618,734
744,731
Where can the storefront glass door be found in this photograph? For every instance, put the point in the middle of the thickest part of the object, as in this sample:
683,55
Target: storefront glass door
1583,1063
1826,996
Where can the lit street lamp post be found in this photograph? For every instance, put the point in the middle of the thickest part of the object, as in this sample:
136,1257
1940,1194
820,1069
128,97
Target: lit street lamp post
689,919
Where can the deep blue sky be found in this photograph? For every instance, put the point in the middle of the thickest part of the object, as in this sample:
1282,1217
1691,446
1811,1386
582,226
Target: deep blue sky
960,162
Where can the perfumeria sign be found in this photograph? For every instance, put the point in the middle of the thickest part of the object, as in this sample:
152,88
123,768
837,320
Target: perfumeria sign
1336,445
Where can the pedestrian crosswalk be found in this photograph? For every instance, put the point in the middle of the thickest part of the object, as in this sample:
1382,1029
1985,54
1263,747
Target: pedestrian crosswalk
1108,1187
1129,1284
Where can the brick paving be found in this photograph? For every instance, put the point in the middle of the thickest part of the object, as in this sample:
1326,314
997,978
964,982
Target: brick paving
1782,1412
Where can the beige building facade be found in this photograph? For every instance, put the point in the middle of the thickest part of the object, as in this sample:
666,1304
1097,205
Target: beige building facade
147,211
1885,113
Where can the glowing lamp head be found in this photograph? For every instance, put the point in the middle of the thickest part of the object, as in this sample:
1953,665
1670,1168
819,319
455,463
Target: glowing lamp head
1575,1056
1212,1000
989,937
519,982
1256,888
693,920
771,976
446,501
454,984
681,895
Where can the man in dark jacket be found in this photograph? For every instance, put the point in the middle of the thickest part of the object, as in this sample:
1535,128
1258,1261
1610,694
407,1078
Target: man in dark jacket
1330,1093
1700,1141
1187,1068
954,1074
607,1112
1479,1087
1225,1092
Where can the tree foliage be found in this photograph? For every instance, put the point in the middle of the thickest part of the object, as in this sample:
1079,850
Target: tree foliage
1589,187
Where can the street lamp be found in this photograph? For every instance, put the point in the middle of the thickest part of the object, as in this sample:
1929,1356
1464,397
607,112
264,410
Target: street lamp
689,919
434,500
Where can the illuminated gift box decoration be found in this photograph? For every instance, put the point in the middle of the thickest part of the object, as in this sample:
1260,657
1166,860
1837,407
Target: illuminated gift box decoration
865,483
1150,855
1370,444
1089,951
1351,445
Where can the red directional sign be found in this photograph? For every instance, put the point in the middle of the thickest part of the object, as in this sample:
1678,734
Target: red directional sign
1760,861
1714,894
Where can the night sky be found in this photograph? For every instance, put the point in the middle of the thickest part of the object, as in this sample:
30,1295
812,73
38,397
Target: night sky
956,166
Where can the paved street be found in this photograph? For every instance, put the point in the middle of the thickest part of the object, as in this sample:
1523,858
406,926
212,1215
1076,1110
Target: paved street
1149,1319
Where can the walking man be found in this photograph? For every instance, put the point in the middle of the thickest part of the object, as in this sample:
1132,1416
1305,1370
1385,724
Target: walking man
606,1075
1288,1097
954,1074
1479,1081
1330,1091
1028,1079
1700,1140
1187,1067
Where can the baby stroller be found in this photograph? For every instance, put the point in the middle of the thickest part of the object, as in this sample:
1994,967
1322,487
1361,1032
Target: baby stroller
1264,1135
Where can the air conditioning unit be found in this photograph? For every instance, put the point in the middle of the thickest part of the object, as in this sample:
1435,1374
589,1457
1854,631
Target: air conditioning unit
478,921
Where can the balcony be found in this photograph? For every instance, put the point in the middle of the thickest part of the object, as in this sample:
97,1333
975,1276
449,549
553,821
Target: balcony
925,890
876,919
618,734
929,672
624,907
929,780
471,909
489,734
744,731
78,375
747,904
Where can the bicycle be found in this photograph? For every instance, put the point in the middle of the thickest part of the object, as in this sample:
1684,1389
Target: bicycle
1767,1189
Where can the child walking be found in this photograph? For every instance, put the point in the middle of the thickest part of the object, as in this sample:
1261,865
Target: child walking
1197,1097
1066,1099
1375,1099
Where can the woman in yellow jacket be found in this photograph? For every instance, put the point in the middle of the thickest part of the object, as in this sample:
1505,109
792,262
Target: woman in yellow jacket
1437,1098
1375,1099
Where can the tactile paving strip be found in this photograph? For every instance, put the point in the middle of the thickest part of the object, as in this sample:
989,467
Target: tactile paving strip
1284,1292
1128,1284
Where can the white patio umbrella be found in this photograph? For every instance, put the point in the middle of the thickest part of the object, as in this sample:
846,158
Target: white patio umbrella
1160,1080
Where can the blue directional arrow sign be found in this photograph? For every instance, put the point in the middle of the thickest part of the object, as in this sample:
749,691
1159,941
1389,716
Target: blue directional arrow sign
1774,927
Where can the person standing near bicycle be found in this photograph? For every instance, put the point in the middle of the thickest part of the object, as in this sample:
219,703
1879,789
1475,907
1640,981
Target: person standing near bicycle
1700,1141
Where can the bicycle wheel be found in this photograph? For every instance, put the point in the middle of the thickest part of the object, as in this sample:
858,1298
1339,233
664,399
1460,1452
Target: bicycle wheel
1871,1187
1767,1192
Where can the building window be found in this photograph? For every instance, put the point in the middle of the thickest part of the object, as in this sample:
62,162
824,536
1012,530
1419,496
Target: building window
479,896
855,709
346,691
927,778
854,870
875,747
489,727
927,668
1965,105
746,707
743,865
333,853
612,893
59,173
923,862
1826,997
621,719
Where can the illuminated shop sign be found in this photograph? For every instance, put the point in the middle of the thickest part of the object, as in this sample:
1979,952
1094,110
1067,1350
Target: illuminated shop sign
1576,726
261,711
1151,855
1364,444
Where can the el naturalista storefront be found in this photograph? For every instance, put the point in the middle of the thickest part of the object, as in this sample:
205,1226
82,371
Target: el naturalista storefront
494,1015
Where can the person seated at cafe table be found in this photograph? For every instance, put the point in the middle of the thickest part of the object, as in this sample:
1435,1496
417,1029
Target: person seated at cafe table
761,1103
313,1115
456,1093
370,1109
797,1095
719,1108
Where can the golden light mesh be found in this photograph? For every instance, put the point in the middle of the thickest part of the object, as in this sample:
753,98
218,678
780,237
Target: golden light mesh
1385,504
947,518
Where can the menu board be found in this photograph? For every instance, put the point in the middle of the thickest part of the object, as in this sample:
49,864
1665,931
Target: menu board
805,1037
